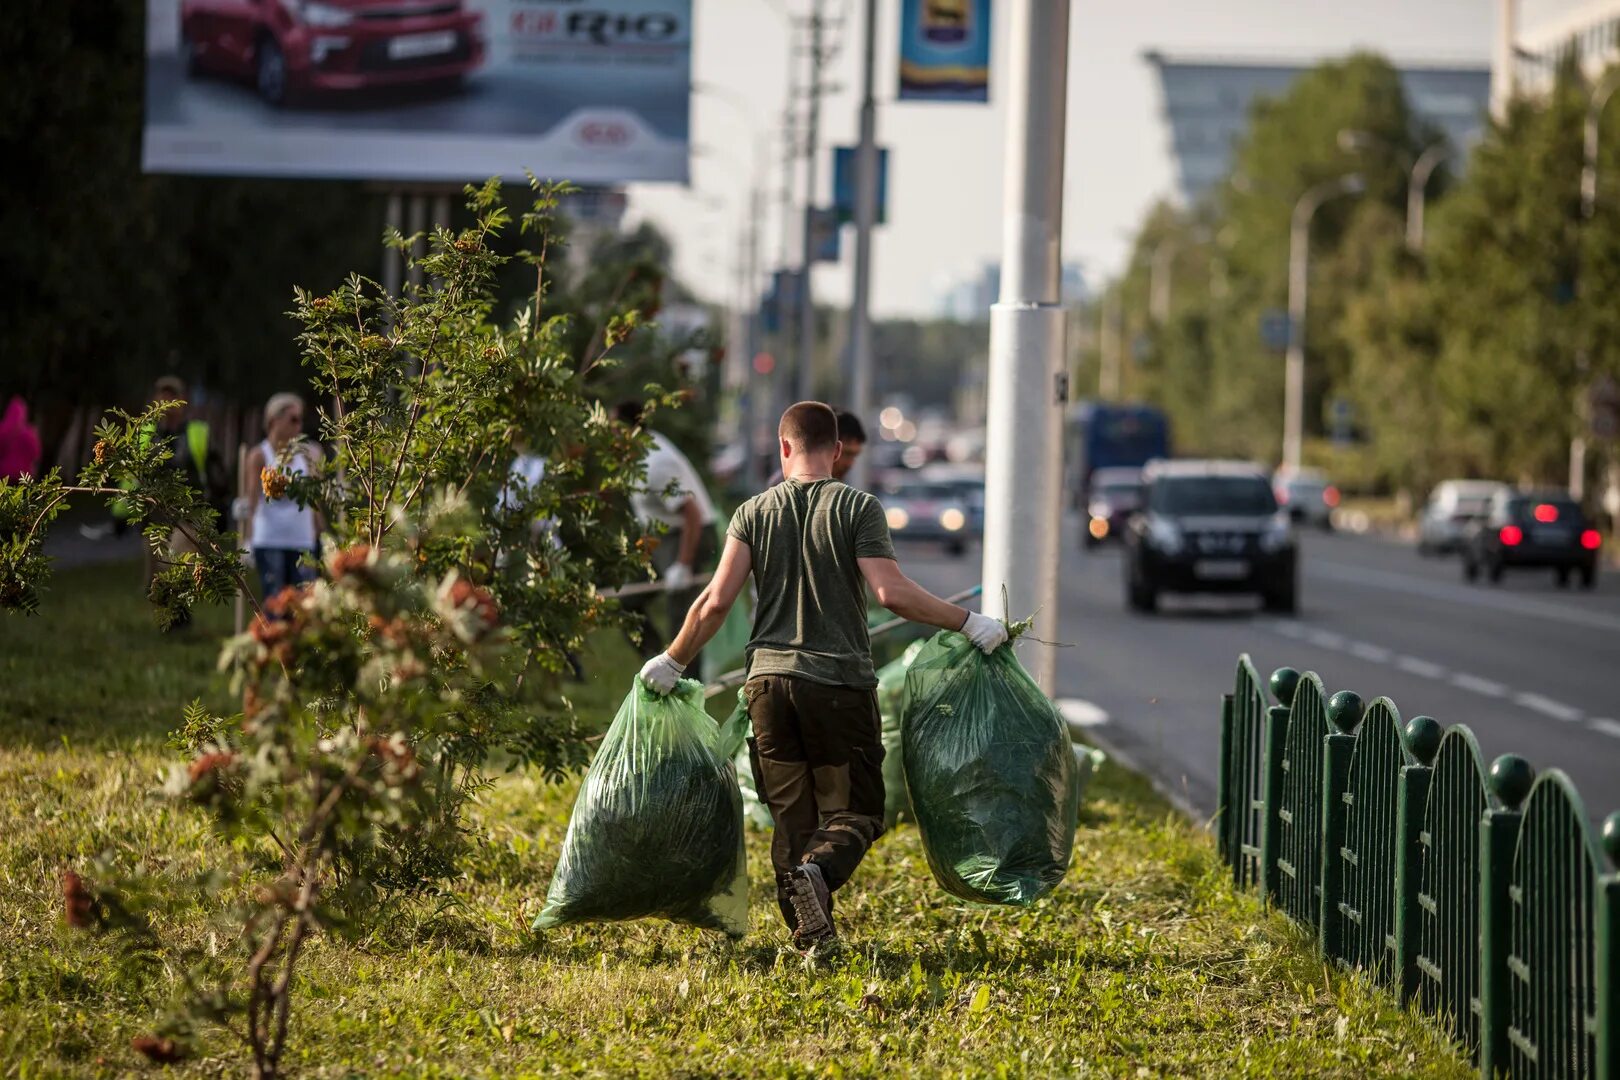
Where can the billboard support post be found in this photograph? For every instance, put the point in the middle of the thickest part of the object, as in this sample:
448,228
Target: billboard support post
416,224
1028,391
859,392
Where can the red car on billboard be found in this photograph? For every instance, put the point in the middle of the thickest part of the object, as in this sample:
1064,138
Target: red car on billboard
290,48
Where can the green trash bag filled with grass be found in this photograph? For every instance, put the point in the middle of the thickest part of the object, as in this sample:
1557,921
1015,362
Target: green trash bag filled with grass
657,828
993,779
891,696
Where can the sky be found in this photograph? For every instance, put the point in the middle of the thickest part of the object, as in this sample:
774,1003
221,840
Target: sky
945,194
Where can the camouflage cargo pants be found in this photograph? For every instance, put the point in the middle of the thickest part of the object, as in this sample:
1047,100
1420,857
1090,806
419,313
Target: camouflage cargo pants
817,757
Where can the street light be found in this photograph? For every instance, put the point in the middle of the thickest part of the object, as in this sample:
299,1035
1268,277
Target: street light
1417,191
1594,117
1417,184
1299,253
1601,93
1160,283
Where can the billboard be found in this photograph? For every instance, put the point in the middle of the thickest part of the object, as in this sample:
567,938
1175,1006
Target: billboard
594,91
945,50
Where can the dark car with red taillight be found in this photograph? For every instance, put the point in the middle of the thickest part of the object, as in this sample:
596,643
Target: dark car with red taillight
291,48
1533,531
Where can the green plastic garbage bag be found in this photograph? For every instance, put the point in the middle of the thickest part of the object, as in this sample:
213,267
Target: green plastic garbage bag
891,696
734,744
992,776
657,828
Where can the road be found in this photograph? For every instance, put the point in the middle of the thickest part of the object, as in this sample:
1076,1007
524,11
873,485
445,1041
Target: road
1531,668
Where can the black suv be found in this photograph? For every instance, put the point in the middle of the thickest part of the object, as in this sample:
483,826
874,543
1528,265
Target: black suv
1533,530
1209,527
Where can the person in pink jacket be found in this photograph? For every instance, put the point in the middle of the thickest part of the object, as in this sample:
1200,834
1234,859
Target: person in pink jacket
19,443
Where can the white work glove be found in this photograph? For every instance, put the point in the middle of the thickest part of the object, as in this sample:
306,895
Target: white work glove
678,576
661,673
987,634
239,510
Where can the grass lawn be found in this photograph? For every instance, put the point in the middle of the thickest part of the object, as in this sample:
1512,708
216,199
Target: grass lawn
1143,963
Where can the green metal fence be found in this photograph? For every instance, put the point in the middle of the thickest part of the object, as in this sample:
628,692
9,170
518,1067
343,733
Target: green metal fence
1362,919
1481,895
1243,733
1448,898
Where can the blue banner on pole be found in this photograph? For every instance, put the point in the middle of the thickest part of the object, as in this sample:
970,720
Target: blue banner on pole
844,159
945,50
825,235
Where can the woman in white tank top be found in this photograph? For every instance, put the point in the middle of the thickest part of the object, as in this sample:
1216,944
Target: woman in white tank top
280,532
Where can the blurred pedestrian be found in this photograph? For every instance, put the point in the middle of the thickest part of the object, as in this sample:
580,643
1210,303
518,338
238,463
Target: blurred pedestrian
281,532
852,439
188,442
674,497
19,442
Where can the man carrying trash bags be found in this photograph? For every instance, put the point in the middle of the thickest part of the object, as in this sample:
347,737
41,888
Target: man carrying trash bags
1000,788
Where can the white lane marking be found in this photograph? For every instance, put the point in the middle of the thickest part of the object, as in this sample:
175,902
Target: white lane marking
1427,669
1081,714
1462,594
1284,627
1325,639
1548,707
1464,681
1377,654
1605,725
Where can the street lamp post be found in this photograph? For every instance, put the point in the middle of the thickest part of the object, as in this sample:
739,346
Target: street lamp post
1601,94
1417,192
1417,184
859,392
1299,254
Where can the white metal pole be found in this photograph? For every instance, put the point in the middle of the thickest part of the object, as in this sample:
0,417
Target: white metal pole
1504,58
1164,255
1589,187
1299,254
1027,388
1417,192
866,194
1111,345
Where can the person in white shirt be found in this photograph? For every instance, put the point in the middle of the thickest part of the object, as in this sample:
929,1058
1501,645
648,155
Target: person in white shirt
673,497
280,531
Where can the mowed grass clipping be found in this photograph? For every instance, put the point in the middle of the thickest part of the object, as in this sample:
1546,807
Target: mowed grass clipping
1143,963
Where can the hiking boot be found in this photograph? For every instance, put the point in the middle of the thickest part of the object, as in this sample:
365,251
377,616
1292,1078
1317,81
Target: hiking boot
812,906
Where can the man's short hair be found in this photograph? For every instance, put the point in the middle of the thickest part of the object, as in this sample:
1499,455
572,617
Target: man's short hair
810,426
628,412
172,385
849,427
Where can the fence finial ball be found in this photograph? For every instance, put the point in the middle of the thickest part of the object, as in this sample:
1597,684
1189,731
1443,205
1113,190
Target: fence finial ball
1284,681
1422,738
1511,777
1345,710
1611,838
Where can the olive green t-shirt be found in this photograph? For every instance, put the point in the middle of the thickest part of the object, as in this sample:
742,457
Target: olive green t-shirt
810,620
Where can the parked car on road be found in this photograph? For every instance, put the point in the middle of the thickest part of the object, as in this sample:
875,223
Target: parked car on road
1210,527
1115,495
291,47
1533,531
927,510
1306,495
1453,508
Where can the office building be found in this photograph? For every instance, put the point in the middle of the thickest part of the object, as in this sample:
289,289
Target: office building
1207,103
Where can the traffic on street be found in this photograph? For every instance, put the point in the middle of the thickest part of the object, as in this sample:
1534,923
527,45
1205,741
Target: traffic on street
1527,666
